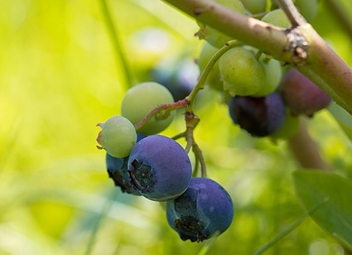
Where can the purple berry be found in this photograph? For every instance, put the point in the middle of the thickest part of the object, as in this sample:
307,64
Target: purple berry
203,210
259,116
117,170
302,95
159,168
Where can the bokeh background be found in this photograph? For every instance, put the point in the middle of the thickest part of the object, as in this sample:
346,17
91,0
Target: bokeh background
59,77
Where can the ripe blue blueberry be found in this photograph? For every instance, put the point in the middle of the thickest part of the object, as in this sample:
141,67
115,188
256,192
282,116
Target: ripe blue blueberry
117,170
259,116
159,168
203,210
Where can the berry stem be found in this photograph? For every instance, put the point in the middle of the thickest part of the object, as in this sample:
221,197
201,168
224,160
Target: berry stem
200,85
176,137
196,167
199,154
160,108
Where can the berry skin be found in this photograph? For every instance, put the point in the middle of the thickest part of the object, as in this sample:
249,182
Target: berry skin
241,72
277,18
254,6
213,36
308,8
117,170
301,95
117,137
214,77
179,78
159,168
203,210
259,116
273,75
140,100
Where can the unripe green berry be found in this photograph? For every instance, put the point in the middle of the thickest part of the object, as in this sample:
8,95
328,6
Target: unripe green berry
254,6
277,18
140,100
117,137
241,72
273,75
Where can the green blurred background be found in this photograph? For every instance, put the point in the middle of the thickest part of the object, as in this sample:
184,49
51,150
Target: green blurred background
59,78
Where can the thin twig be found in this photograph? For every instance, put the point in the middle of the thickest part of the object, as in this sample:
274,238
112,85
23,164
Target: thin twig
196,167
183,134
198,153
192,121
207,69
292,13
160,108
118,49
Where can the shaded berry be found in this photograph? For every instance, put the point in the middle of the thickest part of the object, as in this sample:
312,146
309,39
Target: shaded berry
179,78
259,116
117,170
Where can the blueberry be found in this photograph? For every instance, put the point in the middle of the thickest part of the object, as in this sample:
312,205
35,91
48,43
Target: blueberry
159,168
179,78
117,170
203,210
301,95
259,116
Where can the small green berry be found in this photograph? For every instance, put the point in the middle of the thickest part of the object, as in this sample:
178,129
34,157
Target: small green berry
117,137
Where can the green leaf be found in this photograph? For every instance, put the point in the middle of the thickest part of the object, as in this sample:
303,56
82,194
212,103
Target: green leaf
334,216
343,118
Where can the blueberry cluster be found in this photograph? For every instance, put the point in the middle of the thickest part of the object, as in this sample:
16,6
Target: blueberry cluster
265,101
262,99
159,169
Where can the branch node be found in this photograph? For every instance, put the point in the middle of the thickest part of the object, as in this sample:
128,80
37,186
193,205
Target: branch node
297,45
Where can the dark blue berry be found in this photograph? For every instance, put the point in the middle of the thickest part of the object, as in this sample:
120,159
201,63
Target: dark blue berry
179,78
159,168
259,116
117,170
204,210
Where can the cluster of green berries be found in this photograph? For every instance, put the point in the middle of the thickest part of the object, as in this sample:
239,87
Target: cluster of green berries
158,168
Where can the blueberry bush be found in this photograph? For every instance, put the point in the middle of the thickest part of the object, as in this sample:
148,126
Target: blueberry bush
224,126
